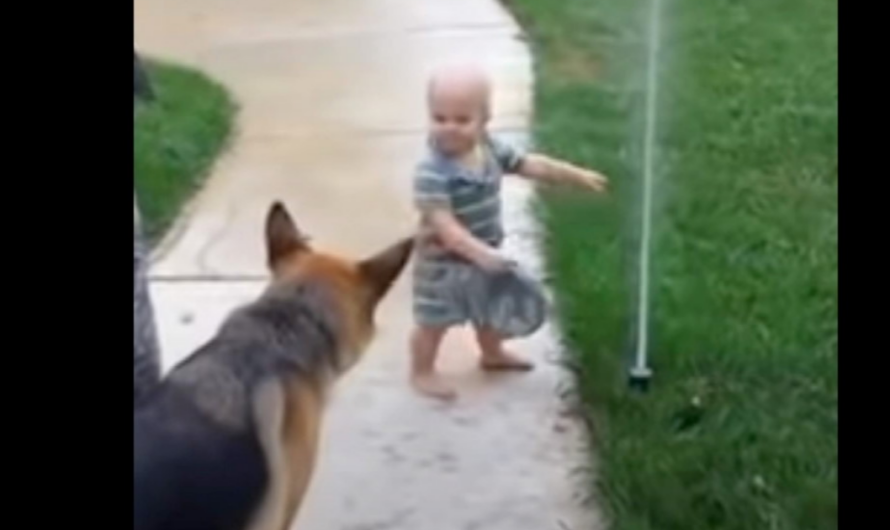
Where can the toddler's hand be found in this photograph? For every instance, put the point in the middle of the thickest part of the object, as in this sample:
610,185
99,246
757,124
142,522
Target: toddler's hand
593,181
494,262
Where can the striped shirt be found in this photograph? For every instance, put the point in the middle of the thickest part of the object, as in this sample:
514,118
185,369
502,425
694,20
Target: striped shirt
473,197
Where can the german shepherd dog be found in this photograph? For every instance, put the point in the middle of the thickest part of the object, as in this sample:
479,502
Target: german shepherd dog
228,440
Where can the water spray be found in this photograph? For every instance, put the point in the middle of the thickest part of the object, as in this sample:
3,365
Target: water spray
640,373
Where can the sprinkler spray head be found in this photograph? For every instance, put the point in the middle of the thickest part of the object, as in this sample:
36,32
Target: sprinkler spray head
639,378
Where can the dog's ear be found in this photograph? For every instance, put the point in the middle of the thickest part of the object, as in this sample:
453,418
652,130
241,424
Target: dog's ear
382,270
283,238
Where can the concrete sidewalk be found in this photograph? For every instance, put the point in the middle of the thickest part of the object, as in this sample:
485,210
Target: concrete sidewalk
332,122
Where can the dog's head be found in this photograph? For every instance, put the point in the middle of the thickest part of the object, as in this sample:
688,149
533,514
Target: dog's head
357,286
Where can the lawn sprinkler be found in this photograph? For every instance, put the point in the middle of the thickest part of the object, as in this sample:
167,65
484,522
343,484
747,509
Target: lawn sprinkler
640,374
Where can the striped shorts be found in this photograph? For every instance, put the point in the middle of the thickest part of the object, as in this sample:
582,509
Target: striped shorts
440,291
449,292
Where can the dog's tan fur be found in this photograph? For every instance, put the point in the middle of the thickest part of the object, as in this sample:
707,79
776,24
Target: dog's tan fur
291,449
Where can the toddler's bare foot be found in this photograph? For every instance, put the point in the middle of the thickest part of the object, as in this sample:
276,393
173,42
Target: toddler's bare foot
431,385
505,361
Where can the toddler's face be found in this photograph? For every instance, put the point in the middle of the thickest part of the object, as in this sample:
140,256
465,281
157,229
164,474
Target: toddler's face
457,122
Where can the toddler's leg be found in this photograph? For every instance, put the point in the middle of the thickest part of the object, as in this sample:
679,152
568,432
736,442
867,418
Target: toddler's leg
424,348
494,356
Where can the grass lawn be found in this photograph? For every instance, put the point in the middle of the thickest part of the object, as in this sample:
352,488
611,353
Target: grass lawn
745,271
177,137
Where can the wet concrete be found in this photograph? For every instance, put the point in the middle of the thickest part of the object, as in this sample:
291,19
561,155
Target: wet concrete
331,122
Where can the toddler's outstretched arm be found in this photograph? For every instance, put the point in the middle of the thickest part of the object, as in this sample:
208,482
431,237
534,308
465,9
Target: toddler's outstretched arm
546,169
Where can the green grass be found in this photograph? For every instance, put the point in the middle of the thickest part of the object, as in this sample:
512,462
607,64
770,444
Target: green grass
745,272
176,140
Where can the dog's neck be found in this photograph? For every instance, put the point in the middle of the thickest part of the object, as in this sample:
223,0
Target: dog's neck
299,320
